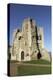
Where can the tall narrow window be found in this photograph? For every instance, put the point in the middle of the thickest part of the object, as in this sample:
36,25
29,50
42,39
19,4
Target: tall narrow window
22,55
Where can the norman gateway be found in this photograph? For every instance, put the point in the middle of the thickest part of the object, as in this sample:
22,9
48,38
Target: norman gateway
28,43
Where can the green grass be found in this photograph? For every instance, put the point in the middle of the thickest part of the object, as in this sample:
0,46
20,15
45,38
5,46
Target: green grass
23,70
38,62
33,70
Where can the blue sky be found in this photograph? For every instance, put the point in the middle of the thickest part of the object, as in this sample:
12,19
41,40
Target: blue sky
41,14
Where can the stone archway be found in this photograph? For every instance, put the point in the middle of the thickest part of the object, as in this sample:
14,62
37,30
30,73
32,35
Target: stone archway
22,55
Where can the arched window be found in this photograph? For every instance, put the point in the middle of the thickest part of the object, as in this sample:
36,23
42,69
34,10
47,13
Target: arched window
22,55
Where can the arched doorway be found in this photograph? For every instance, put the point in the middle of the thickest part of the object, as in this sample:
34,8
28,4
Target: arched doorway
22,55
39,55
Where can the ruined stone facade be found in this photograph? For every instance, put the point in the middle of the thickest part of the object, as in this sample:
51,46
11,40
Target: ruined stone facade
27,42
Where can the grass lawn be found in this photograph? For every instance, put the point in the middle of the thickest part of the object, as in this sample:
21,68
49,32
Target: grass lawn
38,62
23,70
33,70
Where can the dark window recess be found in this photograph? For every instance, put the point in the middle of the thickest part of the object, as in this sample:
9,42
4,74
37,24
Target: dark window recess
32,37
19,37
27,54
22,55
38,37
31,20
18,30
39,55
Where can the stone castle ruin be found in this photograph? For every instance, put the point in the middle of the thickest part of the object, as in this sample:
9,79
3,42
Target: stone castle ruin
28,43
